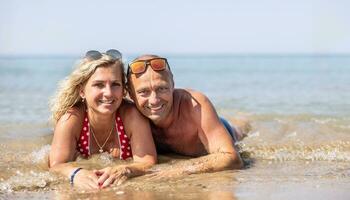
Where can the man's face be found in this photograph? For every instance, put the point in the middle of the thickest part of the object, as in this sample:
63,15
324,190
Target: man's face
152,92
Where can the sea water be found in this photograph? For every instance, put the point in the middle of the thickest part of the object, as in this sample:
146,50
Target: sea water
298,107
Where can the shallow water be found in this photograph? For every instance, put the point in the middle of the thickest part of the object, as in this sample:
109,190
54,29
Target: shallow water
282,170
299,145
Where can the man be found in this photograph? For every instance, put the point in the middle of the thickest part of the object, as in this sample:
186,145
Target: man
182,121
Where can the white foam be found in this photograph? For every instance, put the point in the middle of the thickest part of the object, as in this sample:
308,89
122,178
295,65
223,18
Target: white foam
41,154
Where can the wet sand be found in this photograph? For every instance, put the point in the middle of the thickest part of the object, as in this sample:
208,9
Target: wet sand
223,185
261,179
281,164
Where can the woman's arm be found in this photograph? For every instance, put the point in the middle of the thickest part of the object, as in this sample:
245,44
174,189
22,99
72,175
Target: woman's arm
142,145
63,150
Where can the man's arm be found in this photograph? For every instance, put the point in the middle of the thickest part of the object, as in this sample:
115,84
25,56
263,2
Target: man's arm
218,142
210,163
215,137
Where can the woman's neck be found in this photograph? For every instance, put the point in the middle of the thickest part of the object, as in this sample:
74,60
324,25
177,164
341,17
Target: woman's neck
101,123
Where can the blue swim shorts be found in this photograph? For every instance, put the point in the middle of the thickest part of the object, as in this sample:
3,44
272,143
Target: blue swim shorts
229,128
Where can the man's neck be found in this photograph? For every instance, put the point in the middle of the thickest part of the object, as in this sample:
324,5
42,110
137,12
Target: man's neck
166,122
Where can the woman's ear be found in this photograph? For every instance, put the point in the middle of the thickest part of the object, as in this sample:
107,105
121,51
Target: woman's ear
81,92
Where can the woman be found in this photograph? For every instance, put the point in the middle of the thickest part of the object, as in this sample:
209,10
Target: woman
92,117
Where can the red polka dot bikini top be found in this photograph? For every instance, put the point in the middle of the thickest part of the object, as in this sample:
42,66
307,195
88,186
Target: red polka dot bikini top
84,139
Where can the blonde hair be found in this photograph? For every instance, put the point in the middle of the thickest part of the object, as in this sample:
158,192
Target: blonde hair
68,92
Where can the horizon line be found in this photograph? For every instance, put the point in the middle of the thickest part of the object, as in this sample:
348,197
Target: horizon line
58,55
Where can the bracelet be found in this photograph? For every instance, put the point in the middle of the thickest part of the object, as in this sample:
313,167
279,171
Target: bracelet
72,175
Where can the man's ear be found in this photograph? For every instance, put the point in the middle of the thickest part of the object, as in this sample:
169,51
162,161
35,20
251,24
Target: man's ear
172,79
173,82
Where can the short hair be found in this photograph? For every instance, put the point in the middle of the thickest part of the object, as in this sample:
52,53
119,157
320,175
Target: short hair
67,94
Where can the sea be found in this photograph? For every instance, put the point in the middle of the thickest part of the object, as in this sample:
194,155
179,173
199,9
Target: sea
298,107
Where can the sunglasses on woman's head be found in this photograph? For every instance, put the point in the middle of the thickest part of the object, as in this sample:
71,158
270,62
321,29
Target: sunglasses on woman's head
140,66
95,55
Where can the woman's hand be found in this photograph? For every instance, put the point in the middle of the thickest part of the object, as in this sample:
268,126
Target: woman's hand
86,179
110,175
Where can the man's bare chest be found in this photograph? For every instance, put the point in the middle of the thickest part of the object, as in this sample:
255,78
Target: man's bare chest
182,141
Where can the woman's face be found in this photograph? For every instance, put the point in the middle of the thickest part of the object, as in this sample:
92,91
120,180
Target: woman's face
103,92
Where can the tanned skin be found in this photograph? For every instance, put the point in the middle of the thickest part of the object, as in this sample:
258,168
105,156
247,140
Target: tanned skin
183,121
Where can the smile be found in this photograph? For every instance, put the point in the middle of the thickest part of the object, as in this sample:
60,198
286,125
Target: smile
156,109
106,101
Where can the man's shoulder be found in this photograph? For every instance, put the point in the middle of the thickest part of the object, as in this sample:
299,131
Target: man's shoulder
191,104
184,91
190,95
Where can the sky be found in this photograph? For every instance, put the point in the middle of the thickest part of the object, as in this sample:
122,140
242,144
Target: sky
70,27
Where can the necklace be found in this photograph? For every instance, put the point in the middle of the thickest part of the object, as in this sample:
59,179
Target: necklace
98,144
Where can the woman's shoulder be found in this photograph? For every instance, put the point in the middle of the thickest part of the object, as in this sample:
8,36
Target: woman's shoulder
127,107
133,120
72,119
128,111
77,112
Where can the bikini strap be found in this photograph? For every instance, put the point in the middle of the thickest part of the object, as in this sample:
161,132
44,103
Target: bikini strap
84,138
124,142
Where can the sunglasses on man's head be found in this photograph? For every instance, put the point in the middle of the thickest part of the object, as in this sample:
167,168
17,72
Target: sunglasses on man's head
95,55
140,66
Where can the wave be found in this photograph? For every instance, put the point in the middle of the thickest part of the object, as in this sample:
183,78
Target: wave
333,151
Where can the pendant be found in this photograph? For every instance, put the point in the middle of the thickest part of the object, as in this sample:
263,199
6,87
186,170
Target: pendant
101,150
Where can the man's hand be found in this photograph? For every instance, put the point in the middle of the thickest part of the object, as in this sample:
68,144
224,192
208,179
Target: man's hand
166,174
204,164
111,175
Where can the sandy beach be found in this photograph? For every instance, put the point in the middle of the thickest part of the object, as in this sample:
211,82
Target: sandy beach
261,179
